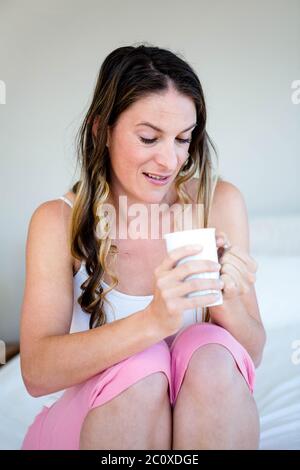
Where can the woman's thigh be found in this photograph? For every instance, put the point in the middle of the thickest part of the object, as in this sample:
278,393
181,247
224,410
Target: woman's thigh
59,426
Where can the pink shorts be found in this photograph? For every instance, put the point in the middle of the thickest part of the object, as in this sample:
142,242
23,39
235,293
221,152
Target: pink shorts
58,427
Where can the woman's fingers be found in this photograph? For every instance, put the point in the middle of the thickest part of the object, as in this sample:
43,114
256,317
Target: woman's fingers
231,258
244,257
171,260
236,279
222,240
193,285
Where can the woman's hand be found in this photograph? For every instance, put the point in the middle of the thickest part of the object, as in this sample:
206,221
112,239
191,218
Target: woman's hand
237,268
171,288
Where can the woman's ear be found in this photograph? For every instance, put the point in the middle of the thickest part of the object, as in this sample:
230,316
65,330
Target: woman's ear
108,136
95,126
95,129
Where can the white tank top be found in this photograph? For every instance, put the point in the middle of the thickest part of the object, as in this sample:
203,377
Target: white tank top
123,305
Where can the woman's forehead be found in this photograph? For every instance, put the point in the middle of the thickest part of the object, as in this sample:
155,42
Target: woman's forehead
162,114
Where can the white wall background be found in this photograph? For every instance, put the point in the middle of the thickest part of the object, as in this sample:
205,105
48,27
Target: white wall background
246,54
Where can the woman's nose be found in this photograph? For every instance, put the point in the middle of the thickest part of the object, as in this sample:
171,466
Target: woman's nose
168,159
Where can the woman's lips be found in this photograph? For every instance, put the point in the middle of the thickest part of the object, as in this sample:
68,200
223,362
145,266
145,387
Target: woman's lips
160,182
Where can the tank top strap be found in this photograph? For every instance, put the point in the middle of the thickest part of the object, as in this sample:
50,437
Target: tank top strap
66,200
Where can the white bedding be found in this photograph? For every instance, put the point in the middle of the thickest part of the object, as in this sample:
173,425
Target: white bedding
277,390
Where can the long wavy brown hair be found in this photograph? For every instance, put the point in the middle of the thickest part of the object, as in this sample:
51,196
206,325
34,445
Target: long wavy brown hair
126,75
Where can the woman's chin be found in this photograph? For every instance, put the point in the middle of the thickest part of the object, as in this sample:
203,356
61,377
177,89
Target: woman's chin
159,199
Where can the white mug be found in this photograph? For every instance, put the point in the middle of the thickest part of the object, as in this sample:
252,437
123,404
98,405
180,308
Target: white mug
206,238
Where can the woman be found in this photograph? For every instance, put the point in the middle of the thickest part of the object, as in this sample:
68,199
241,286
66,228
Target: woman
136,367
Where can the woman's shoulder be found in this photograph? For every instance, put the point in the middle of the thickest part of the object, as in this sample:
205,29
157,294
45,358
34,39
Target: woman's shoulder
226,198
223,191
54,205
55,215
221,188
226,189
70,196
48,225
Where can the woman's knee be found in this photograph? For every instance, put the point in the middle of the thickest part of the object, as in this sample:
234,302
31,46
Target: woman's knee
144,394
140,406
152,388
212,368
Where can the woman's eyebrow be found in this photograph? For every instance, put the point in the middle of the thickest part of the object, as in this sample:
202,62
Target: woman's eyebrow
160,130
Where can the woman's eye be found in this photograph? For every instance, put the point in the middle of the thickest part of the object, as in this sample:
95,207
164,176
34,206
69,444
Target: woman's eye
147,141
151,141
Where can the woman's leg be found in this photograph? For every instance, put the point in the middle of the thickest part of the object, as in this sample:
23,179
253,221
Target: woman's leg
125,406
138,418
215,408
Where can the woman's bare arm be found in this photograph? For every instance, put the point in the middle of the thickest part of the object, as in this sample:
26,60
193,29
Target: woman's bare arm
52,359
58,362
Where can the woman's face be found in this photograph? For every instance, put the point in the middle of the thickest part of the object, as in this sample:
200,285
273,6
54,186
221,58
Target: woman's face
131,156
